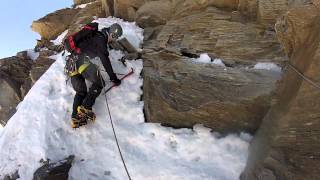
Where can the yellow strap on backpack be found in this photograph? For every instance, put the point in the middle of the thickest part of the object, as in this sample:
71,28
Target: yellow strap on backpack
83,67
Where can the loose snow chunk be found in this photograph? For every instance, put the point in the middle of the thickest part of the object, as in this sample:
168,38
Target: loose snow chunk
32,54
205,58
59,39
267,66
218,62
81,6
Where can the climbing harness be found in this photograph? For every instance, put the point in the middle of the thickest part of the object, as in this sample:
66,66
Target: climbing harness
112,125
304,77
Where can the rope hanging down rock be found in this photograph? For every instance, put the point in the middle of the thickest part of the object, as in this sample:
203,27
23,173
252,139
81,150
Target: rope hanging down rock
304,77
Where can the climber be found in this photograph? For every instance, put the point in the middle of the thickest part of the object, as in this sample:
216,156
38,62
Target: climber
86,44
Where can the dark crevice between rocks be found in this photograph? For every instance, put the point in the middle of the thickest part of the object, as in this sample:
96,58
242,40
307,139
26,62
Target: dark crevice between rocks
188,54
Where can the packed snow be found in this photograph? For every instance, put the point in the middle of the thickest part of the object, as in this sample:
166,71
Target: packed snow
81,6
205,58
32,54
41,129
267,66
59,39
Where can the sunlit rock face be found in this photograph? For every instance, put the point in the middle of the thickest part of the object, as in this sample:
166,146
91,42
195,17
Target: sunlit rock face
53,24
287,144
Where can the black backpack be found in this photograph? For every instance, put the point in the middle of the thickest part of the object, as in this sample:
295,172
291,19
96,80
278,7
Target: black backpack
72,41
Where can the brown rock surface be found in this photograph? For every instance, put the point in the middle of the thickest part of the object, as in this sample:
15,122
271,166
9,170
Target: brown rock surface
53,24
85,15
287,144
154,13
41,65
180,93
125,9
9,98
220,34
13,73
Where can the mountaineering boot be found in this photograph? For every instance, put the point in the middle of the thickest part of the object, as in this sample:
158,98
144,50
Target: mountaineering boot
77,122
87,114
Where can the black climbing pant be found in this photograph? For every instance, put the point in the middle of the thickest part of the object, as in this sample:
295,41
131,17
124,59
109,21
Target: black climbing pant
83,96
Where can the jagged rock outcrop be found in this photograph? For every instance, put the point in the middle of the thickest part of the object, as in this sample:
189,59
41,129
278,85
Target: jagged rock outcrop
287,144
53,24
54,171
86,15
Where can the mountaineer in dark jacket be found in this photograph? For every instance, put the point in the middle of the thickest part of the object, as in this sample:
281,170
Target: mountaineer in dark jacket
87,47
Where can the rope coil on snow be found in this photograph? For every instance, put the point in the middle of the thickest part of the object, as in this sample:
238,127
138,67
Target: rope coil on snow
304,77
113,129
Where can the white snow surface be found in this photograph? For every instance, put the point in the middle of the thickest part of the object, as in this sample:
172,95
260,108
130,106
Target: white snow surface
81,6
41,129
205,58
59,39
267,66
32,54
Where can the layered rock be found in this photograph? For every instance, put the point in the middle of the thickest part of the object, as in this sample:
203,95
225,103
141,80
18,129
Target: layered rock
287,146
181,93
221,34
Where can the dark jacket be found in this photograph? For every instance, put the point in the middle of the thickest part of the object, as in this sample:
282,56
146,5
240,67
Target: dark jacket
97,46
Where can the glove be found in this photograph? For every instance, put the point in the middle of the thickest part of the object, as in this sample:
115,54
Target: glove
116,81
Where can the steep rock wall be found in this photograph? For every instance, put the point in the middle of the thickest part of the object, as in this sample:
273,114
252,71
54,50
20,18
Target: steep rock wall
287,146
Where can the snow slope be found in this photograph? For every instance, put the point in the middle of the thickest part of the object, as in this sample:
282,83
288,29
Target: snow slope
41,130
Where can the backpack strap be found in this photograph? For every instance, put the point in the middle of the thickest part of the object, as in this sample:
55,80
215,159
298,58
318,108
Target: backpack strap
73,45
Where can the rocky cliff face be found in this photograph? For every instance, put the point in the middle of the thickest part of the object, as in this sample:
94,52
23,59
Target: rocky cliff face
17,75
180,94
287,144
